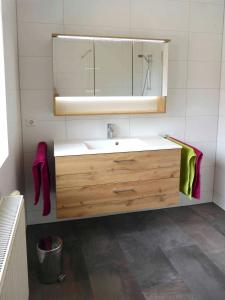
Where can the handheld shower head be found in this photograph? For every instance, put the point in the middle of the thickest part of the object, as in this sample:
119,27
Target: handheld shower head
147,58
86,53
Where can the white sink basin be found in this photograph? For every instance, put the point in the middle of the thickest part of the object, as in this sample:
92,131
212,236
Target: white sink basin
87,147
116,144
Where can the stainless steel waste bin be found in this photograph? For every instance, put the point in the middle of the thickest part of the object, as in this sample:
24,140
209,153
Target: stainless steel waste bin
50,259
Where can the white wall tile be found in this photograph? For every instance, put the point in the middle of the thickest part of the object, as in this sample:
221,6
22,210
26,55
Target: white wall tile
36,73
205,46
221,2
35,217
205,198
10,44
202,102
42,131
221,130
220,157
43,11
207,179
223,48
14,121
96,30
203,75
219,200
35,39
177,74
160,14
176,103
222,103
222,83
178,46
157,126
201,129
97,13
38,105
209,152
206,17
92,128
219,186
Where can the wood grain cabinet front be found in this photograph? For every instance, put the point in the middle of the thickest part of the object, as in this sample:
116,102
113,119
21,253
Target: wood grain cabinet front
103,184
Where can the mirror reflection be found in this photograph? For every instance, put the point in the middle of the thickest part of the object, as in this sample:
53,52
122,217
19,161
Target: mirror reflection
148,69
73,67
113,68
85,66
104,75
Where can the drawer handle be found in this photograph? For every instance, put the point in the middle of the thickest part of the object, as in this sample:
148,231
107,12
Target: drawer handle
124,160
124,191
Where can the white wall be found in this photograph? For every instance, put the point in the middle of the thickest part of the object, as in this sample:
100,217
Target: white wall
11,173
219,181
195,28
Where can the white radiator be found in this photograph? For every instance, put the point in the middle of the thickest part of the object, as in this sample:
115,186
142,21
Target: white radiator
13,253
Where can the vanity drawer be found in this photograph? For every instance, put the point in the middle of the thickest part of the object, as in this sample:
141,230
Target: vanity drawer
116,197
76,171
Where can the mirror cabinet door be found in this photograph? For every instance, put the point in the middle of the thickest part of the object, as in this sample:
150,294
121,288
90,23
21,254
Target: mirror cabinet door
147,68
113,68
73,67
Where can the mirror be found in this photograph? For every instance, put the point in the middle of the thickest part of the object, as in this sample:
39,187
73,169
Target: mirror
96,75
113,68
73,67
148,69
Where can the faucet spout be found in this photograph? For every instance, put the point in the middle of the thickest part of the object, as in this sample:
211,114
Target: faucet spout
109,131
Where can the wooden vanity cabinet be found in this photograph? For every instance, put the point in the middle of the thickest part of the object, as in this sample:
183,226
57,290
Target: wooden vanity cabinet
104,184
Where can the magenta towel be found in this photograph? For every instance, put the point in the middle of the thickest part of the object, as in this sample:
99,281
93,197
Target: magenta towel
196,189
41,177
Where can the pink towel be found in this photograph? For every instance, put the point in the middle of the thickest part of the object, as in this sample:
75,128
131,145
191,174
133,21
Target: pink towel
40,173
196,189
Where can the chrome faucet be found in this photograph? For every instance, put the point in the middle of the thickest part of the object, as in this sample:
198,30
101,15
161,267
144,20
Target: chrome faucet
109,131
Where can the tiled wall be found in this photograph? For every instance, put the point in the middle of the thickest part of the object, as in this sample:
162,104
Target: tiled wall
219,186
195,28
11,173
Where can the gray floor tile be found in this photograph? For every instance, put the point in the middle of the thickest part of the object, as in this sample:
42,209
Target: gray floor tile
107,267
203,278
174,291
148,264
218,258
209,211
203,233
161,231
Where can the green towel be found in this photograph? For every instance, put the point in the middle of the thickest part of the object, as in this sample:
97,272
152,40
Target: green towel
187,170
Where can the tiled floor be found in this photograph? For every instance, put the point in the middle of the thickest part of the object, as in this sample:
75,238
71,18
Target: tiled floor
170,254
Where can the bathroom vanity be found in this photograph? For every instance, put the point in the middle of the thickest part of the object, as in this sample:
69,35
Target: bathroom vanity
103,177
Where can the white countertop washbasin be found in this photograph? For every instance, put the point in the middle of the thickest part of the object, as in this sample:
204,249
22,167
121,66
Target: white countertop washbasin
115,144
85,147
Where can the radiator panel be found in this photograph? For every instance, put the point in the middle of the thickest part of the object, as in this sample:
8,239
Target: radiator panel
13,253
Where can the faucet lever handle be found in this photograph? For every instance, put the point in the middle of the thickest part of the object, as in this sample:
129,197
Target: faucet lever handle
110,125
110,130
